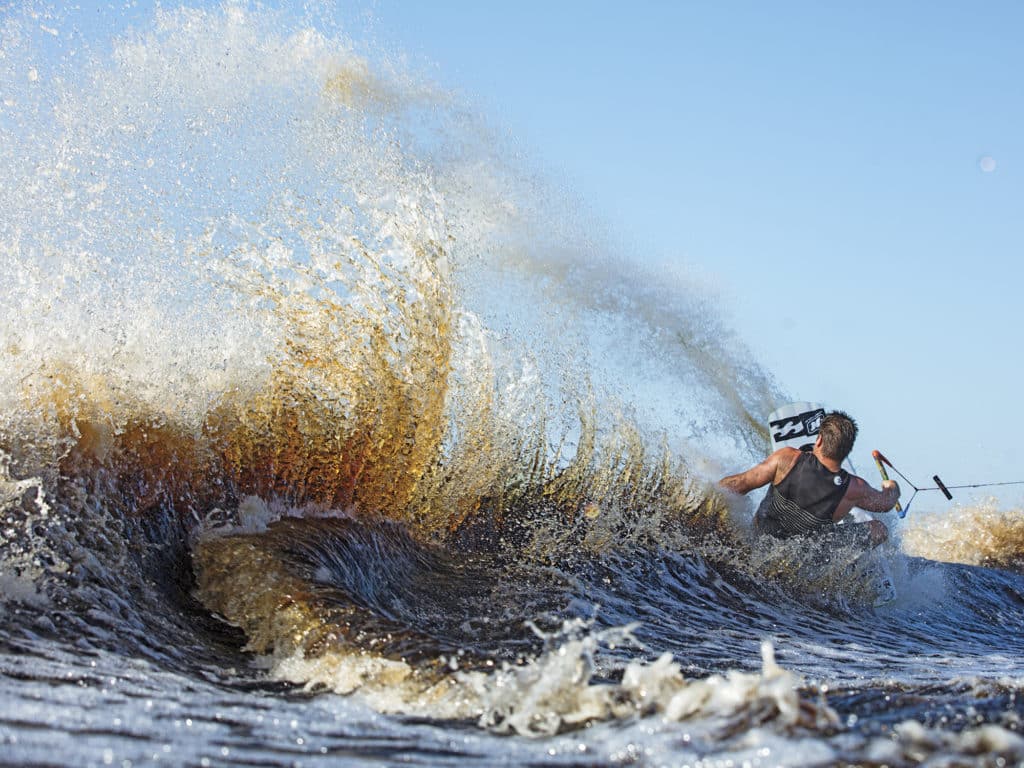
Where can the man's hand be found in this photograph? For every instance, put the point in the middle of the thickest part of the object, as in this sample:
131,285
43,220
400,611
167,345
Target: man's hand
892,486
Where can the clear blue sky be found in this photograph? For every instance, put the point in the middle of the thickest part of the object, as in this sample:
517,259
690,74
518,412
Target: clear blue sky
828,167
822,163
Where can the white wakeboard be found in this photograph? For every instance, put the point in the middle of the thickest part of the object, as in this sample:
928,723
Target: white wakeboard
882,581
795,425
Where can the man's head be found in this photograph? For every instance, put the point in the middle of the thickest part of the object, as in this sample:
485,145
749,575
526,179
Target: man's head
837,434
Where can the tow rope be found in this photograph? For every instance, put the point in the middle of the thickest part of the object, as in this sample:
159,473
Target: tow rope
881,462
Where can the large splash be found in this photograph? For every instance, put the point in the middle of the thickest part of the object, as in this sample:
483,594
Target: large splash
979,534
234,248
245,264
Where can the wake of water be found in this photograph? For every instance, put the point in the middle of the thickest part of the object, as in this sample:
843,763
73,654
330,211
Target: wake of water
329,433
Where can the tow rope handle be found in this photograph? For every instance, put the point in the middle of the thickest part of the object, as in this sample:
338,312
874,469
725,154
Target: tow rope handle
942,487
880,462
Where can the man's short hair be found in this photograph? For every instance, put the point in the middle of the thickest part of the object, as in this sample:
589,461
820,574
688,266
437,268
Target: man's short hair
838,431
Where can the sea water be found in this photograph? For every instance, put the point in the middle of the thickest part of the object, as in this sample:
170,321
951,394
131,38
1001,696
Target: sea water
330,435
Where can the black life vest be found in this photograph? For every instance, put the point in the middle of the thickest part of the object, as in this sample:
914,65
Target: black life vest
805,499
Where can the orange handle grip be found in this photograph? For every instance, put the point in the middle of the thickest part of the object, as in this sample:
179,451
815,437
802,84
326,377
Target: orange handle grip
880,462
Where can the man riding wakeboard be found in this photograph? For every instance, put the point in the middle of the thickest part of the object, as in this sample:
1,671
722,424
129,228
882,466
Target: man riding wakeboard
810,492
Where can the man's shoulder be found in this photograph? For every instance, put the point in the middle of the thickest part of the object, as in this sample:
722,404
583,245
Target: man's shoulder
788,452
784,459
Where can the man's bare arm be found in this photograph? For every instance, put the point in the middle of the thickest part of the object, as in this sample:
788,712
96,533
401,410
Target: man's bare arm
758,475
862,495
